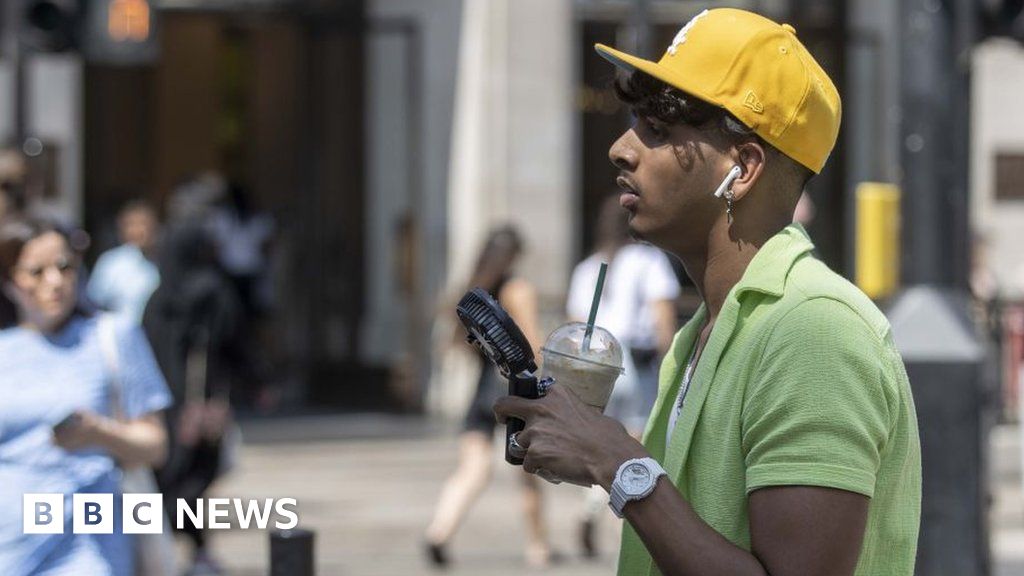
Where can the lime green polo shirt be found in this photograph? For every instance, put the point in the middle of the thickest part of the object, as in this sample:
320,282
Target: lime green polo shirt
799,384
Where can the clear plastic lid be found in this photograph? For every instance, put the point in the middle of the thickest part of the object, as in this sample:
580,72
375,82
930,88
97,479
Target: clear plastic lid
567,341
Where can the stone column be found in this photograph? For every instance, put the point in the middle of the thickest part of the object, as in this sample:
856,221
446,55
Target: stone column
512,147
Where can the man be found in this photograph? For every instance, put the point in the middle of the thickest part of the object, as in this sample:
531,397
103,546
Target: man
125,277
784,421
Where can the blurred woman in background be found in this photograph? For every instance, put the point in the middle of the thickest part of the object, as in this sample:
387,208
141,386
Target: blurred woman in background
71,417
494,274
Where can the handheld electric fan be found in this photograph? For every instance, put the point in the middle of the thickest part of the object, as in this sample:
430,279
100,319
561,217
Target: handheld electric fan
494,332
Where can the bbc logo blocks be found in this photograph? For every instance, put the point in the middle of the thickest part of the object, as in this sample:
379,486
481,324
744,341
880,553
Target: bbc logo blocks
143,513
43,513
93,513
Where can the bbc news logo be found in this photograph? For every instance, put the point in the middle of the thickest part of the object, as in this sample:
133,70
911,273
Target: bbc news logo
144,513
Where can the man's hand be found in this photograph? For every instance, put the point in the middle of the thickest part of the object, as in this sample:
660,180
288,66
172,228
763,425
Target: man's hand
799,530
568,439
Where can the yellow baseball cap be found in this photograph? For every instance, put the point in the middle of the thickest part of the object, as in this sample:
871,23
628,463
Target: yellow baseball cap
757,70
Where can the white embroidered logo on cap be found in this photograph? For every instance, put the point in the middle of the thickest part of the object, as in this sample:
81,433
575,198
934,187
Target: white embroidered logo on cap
681,36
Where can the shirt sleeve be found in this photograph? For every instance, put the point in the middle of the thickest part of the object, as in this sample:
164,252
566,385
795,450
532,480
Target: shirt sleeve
661,282
816,413
576,305
98,288
143,384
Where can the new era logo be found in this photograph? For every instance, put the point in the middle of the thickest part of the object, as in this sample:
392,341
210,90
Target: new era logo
753,102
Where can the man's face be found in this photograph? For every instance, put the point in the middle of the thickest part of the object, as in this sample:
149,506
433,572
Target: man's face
668,175
139,228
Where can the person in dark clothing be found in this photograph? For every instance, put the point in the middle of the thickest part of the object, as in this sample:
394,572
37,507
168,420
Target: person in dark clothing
191,319
243,237
476,443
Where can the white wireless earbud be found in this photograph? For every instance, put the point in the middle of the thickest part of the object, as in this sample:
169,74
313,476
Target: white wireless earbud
733,174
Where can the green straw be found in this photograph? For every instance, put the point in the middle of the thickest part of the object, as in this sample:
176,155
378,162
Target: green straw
593,307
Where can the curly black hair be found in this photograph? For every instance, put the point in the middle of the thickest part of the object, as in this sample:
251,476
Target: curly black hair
649,97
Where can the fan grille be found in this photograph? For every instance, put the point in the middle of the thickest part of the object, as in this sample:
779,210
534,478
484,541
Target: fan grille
495,333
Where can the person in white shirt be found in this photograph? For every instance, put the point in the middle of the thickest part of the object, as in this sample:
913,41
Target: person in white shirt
243,237
125,277
638,307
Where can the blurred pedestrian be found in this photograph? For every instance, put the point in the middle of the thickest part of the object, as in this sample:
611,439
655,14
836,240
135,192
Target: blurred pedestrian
191,320
125,277
13,171
12,202
784,438
493,273
82,401
195,197
638,307
243,238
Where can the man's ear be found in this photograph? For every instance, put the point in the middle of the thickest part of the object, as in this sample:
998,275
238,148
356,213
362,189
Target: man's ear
751,158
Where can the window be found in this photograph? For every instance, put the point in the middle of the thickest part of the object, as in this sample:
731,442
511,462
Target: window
1010,176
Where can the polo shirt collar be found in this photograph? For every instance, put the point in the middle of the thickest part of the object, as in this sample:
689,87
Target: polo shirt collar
769,268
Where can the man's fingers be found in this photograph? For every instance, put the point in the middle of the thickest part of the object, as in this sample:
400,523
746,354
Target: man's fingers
525,437
560,391
512,407
519,443
530,463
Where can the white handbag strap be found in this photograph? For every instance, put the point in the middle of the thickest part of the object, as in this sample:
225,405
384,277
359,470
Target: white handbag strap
112,362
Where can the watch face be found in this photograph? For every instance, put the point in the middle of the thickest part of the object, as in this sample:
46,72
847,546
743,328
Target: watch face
636,478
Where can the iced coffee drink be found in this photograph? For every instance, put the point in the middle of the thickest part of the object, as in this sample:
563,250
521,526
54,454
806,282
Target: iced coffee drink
589,371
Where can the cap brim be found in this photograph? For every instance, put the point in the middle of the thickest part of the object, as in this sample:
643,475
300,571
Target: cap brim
623,60
631,63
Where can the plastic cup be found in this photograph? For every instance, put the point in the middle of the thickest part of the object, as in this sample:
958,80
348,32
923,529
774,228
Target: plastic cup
590,374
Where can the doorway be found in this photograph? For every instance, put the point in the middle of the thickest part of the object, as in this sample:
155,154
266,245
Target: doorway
274,101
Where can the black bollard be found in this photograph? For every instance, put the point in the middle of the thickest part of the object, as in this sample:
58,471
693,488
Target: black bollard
291,553
944,361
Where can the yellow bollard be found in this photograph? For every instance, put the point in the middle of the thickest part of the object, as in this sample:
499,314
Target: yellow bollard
878,239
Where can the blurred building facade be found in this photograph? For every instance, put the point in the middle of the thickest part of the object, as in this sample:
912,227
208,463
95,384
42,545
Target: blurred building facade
997,161
387,136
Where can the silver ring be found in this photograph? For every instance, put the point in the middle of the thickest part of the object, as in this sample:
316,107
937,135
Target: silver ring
544,385
550,477
515,449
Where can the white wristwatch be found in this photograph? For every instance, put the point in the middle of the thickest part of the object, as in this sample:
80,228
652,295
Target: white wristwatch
635,480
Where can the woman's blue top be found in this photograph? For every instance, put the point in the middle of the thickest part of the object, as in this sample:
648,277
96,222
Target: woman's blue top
43,378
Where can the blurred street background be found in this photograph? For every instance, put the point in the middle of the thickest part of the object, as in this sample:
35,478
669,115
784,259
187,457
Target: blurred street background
348,158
